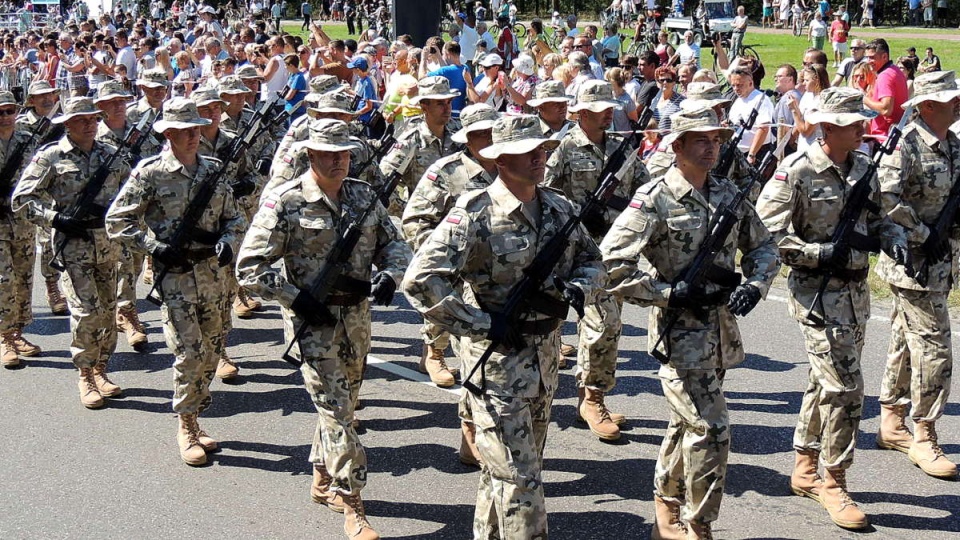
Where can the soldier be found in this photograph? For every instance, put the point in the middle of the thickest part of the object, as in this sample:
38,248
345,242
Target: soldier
235,115
433,198
144,216
17,239
486,241
801,207
40,102
575,169
298,224
112,99
915,182
649,246
245,182
154,85
551,103
699,95
59,173
300,127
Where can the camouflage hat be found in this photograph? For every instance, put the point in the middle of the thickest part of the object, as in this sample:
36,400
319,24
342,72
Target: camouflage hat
517,135
77,106
475,117
938,86
703,120
703,94
6,98
327,135
332,102
595,96
153,78
433,88
840,106
111,89
206,96
247,71
231,84
179,113
320,85
41,87
549,92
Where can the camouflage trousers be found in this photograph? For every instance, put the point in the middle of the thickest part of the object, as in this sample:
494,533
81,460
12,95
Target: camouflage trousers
128,272
434,336
231,286
599,332
17,258
334,386
91,292
833,401
692,465
920,357
46,255
511,435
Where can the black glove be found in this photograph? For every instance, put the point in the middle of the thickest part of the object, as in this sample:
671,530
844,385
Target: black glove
684,296
169,256
595,222
70,227
242,188
744,299
572,294
935,248
901,255
503,331
224,254
263,166
307,308
383,288
834,255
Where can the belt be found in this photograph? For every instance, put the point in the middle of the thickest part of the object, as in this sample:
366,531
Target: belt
843,274
540,327
344,299
196,255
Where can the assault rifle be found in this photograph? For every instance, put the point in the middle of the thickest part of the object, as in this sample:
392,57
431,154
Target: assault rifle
14,160
703,269
944,222
247,131
726,160
845,235
53,131
542,266
84,208
384,144
144,134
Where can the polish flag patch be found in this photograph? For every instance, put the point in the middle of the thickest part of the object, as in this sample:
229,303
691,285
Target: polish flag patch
432,176
270,204
453,219
288,159
636,204
781,176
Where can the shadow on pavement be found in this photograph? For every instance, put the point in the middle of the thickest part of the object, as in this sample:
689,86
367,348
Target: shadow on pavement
943,504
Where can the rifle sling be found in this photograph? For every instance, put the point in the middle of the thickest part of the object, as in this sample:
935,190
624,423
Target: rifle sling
618,203
545,304
863,242
727,279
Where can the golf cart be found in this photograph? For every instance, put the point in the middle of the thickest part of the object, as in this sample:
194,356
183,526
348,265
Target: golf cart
709,18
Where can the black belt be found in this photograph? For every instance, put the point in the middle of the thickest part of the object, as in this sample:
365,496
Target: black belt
196,255
843,274
545,304
201,236
344,299
540,327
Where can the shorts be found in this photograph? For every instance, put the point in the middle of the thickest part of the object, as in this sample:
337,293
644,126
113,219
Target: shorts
768,12
840,47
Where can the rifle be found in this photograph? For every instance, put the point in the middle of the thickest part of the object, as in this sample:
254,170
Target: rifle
54,132
84,205
332,271
858,201
384,144
144,127
14,160
943,223
726,160
248,130
537,272
703,268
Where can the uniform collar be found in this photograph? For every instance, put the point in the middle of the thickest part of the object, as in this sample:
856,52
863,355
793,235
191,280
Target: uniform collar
473,168
821,162
680,187
580,139
170,163
928,136
428,137
503,198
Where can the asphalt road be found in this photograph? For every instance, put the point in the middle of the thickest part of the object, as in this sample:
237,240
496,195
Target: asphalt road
67,472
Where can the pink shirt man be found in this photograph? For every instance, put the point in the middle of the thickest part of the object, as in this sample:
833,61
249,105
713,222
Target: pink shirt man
890,82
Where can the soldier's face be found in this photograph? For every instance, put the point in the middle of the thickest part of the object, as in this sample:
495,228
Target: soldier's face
478,140
844,138
83,128
593,121
524,169
329,166
114,108
436,110
699,149
8,116
44,103
553,112
155,96
212,112
935,109
234,101
183,142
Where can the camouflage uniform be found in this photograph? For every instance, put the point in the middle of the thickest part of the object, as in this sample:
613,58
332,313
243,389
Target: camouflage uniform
154,141
914,182
801,206
647,248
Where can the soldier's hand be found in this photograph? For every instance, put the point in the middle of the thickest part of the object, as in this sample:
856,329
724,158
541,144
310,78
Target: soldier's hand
169,256
224,254
834,255
901,255
383,288
571,293
503,331
595,222
242,188
935,248
686,296
70,226
744,299
307,308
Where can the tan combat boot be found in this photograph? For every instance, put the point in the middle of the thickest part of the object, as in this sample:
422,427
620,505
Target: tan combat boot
208,443
433,363
191,452
355,522
667,524
834,497
597,417
699,531
244,306
89,394
148,270
128,322
23,346
469,455
926,453
8,350
893,433
226,369
320,490
104,385
58,305
568,350
617,418
805,480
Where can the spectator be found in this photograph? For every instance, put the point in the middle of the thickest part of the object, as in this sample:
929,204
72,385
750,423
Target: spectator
889,91
867,18
863,77
684,77
857,47
818,31
914,12
663,49
468,43
366,90
489,86
626,113
550,63
739,29
912,55
815,80
648,64
583,44
651,139
523,84
611,46
507,45
928,13
670,99
757,140
688,53
581,72
536,42
908,67
930,62
296,86
785,80
453,72
838,39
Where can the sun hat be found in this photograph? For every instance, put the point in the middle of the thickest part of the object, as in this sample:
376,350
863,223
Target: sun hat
433,88
179,113
327,135
934,86
475,117
517,134
703,120
549,92
840,106
595,96
77,106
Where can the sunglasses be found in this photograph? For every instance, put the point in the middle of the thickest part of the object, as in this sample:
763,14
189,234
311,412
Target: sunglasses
665,80
8,112
580,46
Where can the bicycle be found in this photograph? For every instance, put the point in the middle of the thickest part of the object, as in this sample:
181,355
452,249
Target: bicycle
803,21
746,51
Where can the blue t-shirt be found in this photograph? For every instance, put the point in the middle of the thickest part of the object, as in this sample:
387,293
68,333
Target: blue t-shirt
454,74
824,7
366,90
299,83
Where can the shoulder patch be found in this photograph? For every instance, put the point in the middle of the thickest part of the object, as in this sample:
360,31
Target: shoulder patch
780,175
637,205
453,219
288,159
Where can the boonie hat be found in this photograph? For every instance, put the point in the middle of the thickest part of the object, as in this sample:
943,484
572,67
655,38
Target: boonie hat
179,113
549,92
111,89
476,117
840,106
38,88
433,88
233,85
77,106
703,120
153,78
595,96
206,96
332,102
327,135
938,86
517,135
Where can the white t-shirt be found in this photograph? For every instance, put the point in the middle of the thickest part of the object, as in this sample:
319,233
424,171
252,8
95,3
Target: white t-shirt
740,111
468,43
494,99
738,21
808,104
818,28
277,81
687,52
127,57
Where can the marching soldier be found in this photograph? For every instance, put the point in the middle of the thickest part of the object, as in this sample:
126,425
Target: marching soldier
575,169
154,85
551,101
41,100
486,241
235,93
17,239
144,216
801,207
646,251
915,182
443,183
112,99
59,174
300,127
298,224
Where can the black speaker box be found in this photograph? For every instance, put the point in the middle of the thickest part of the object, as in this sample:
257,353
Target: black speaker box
419,18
